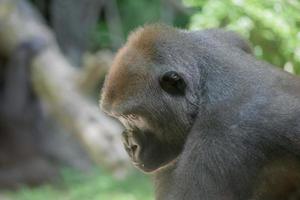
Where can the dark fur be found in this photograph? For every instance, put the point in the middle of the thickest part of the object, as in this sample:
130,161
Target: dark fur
234,135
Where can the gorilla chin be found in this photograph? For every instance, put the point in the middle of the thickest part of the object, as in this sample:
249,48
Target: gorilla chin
146,151
153,169
146,169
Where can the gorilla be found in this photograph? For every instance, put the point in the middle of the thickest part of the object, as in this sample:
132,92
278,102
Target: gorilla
204,117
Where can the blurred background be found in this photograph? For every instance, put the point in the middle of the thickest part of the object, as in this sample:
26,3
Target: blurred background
55,143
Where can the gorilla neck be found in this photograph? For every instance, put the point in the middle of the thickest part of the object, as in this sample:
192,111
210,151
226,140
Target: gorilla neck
162,180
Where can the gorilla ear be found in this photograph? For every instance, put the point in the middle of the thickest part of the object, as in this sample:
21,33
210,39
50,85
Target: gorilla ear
172,83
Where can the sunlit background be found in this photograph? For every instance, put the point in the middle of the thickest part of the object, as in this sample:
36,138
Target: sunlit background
55,143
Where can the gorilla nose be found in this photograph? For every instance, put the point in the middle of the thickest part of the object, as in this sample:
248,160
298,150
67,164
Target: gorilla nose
131,145
133,149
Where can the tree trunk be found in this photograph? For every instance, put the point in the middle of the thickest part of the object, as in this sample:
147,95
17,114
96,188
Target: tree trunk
73,22
54,81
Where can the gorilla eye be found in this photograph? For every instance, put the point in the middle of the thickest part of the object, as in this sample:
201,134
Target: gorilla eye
172,83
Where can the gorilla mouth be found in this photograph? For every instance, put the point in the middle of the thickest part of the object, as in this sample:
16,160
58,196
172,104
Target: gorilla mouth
147,152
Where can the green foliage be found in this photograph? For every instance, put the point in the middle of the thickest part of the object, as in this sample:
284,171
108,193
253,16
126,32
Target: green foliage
272,26
134,13
98,186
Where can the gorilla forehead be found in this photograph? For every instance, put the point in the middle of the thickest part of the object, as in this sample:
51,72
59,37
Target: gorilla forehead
137,63
125,79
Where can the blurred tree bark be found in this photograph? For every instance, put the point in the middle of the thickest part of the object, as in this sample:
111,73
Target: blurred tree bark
55,82
21,158
92,73
73,22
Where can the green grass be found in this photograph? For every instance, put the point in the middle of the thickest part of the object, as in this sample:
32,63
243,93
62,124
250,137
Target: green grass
98,186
